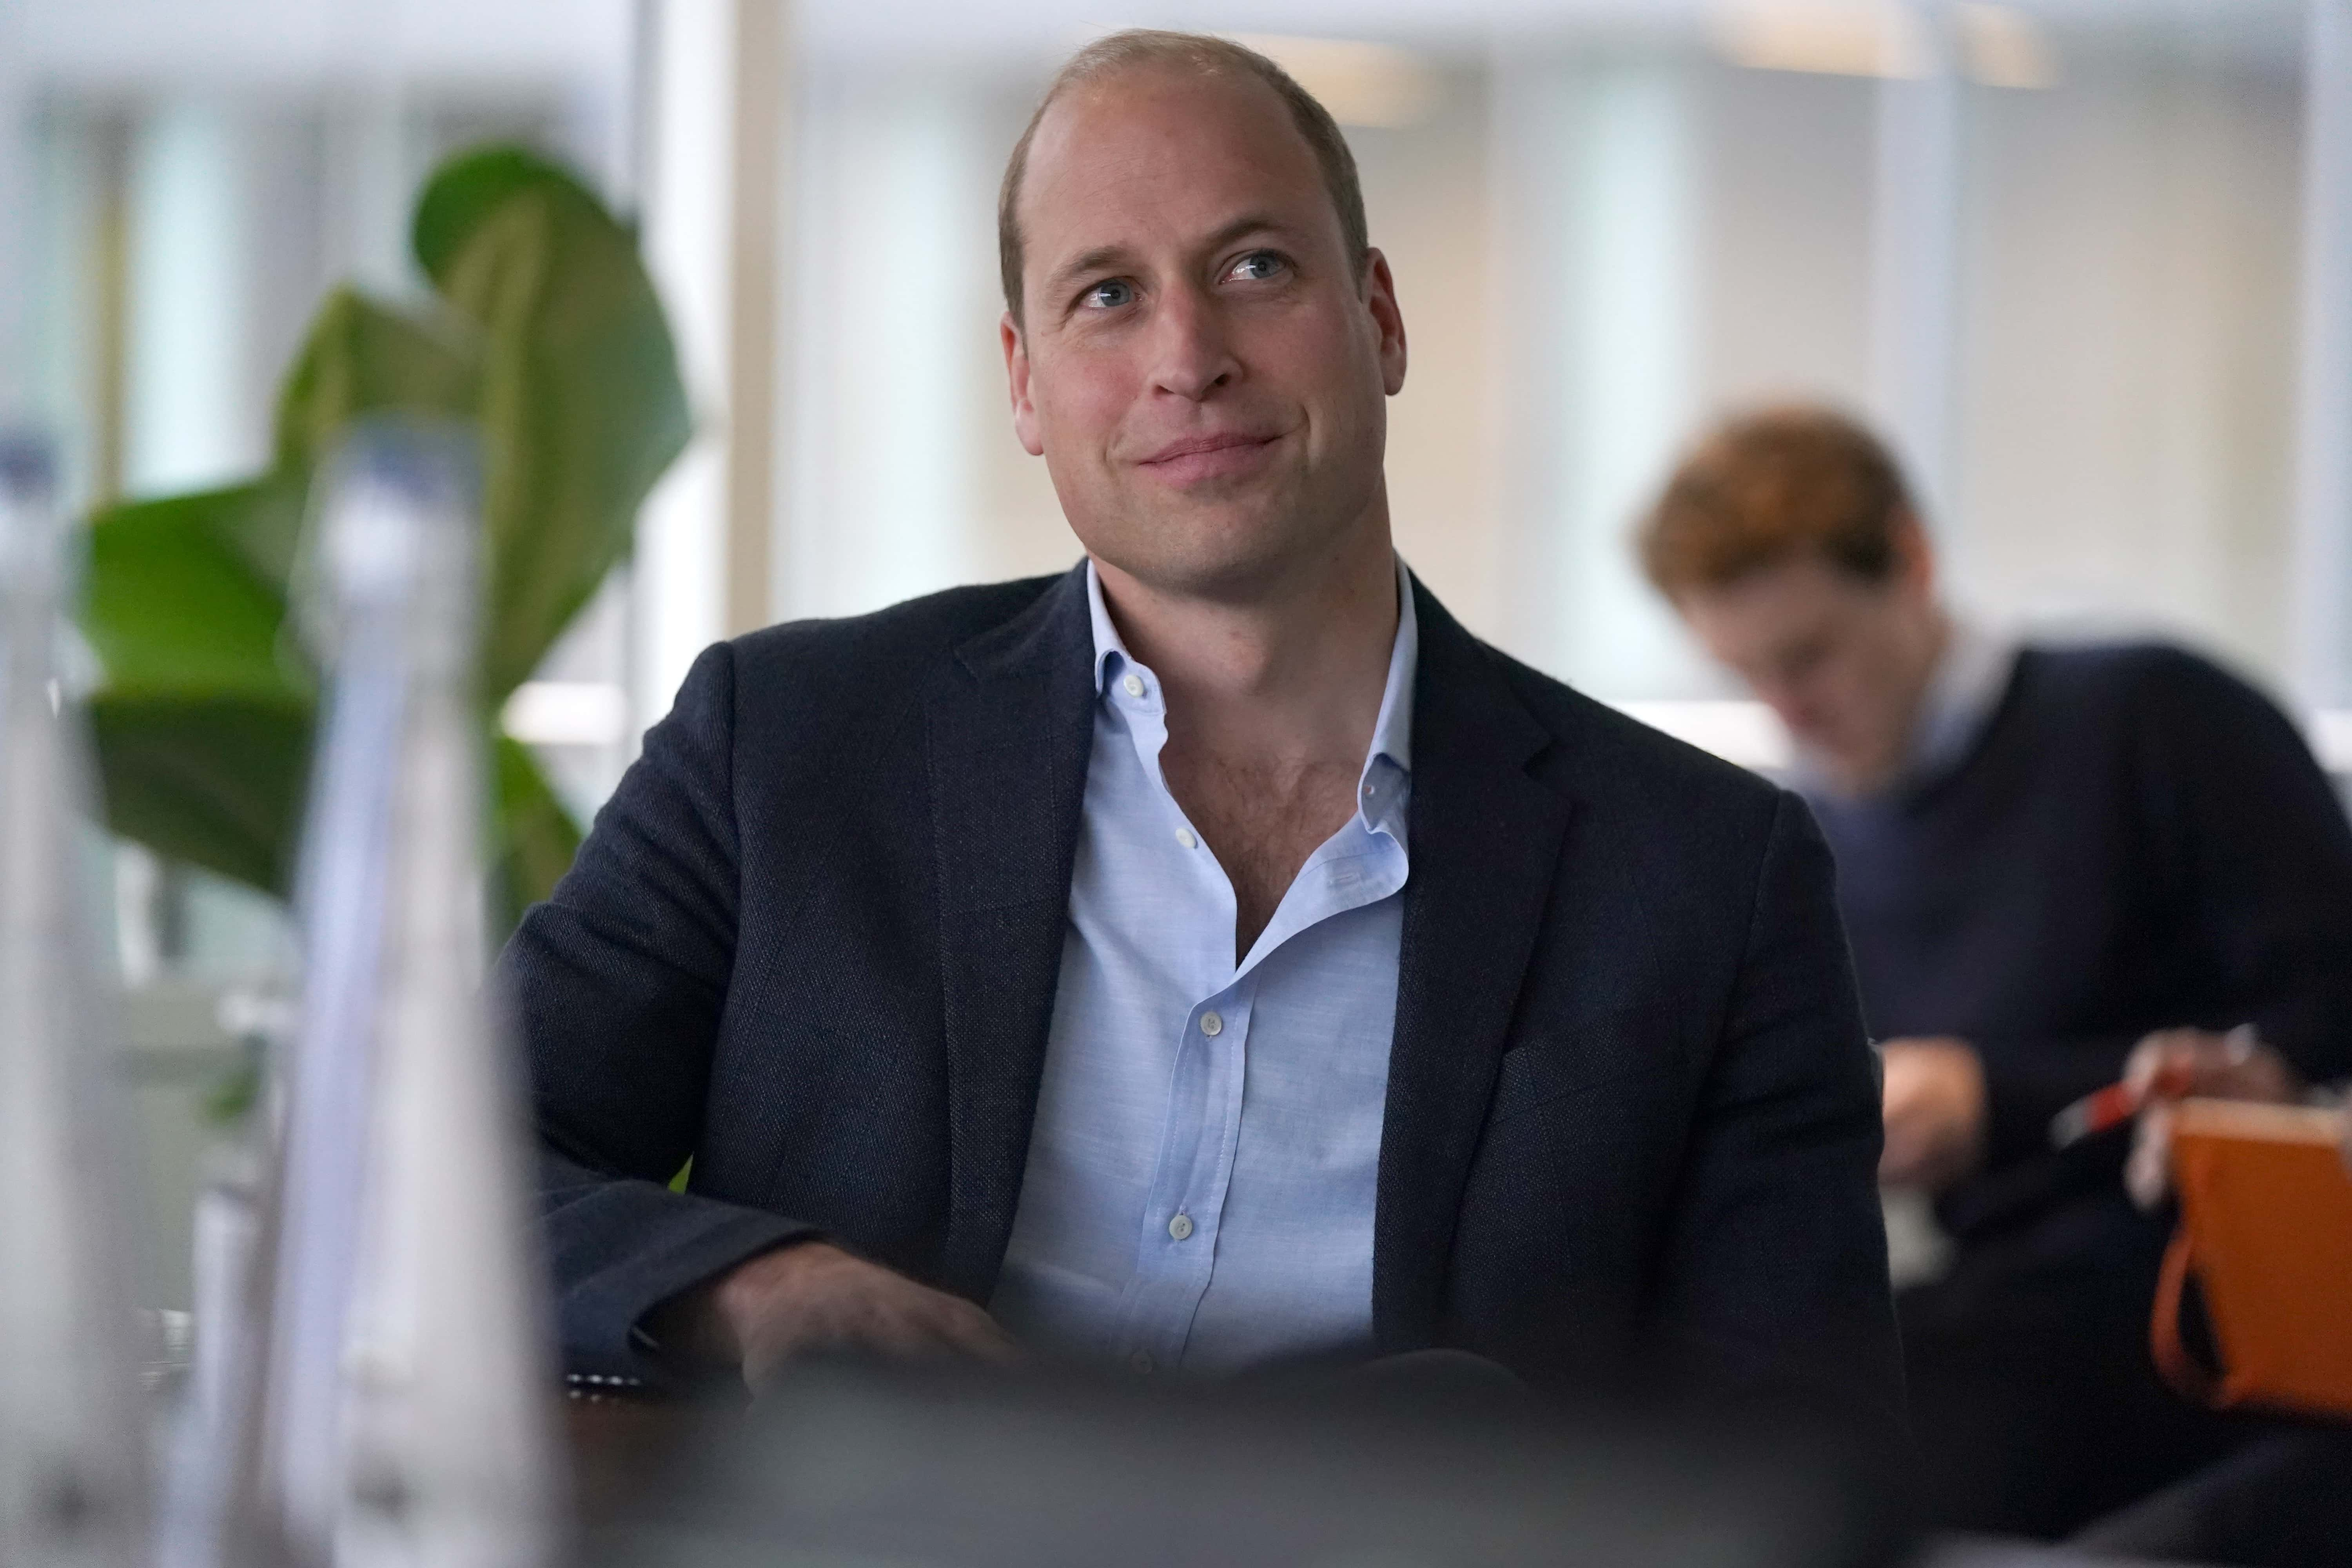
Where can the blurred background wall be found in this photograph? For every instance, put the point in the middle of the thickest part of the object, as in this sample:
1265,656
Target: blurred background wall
2055,246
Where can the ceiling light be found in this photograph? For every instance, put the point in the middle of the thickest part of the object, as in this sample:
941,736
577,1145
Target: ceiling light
1854,38
1998,45
1362,84
2003,47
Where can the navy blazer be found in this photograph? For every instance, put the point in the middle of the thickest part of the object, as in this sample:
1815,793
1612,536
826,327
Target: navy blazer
813,942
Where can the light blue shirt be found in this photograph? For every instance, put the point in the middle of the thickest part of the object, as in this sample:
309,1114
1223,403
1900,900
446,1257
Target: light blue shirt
1206,1151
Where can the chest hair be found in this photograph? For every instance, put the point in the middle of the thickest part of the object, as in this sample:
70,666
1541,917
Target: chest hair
1261,822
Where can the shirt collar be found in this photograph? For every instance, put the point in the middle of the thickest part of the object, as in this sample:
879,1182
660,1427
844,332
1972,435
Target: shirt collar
1960,698
1391,732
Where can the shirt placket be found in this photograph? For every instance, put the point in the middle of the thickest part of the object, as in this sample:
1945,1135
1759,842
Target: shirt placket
1176,1247
1176,1240
1201,1133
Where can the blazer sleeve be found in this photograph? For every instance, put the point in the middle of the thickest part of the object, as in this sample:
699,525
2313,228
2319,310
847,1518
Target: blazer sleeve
617,981
1774,1283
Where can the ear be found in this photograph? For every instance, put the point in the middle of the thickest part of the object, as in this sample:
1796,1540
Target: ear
1380,299
1016,377
1914,557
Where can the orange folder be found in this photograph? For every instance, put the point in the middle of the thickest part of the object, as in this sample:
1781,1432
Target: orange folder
2266,1230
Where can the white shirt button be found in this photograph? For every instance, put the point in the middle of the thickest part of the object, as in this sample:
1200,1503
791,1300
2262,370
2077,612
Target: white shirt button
1140,1361
1134,684
1212,1025
1181,1227
1184,837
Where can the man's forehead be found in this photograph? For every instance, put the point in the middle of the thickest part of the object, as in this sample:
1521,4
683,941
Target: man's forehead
1162,139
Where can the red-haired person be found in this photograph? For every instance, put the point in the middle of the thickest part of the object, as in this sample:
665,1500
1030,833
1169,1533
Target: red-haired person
2045,855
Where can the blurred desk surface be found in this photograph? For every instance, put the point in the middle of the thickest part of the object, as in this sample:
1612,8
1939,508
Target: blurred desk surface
620,1448
1996,1552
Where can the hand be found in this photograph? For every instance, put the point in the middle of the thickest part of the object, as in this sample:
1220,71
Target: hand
1935,1109
814,1297
2173,1065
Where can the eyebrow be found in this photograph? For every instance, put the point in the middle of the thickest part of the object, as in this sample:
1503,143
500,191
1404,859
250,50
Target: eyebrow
1105,256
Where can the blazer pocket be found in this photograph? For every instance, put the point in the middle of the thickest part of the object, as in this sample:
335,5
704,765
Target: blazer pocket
1557,1063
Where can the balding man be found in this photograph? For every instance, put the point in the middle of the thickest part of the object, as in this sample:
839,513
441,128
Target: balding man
1214,955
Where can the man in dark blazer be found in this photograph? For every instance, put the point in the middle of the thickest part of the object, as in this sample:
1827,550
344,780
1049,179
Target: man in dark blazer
1214,954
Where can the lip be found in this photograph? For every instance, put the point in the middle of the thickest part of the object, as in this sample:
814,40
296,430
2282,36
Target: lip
1192,446
1208,455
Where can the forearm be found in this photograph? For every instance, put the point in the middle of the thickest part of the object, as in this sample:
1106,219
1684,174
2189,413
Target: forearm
617,985
619,1248
2251,842
806,1295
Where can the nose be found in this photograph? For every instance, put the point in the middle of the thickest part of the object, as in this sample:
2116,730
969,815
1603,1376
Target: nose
1192,357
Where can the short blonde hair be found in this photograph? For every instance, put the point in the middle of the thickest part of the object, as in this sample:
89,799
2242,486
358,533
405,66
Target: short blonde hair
1201,55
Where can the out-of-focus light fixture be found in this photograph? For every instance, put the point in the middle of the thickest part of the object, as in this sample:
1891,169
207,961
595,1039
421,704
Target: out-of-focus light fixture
1999,46
1362,84
2003,47
1823,37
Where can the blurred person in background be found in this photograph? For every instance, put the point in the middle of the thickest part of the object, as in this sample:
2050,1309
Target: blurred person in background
2045,858
1212,956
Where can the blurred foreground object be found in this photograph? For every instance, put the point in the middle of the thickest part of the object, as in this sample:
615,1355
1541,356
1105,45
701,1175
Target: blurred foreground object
402,1399
72,1439
1391,1464
2266,1232
549,340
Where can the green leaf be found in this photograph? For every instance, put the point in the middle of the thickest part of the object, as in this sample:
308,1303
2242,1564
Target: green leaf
217,781
552,342
174,599
538,836
361,358
467,191
232,1095
582,407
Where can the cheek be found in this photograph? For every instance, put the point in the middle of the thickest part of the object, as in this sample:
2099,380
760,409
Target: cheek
1862,697
1854,685
1825,697
1079,400
1341,369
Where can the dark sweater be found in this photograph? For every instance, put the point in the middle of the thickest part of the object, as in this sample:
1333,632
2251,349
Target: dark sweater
2137,840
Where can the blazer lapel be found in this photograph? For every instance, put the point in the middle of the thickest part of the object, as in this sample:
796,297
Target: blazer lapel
1009,725
1486,840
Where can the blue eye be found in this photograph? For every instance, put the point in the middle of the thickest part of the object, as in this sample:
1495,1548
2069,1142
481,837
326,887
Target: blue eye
1108,295
1257,266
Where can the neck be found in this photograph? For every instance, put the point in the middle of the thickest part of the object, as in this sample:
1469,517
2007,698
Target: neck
1289,674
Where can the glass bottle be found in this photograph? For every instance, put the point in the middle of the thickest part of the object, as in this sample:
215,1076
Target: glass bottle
404,1396
72,1426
